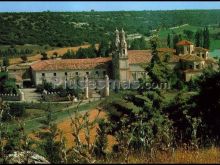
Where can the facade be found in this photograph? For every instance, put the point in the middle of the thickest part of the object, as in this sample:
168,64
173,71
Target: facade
124,65
193,60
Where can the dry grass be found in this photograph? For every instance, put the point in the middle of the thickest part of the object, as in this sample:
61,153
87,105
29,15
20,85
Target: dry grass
37,57
202,156
180,155
65,127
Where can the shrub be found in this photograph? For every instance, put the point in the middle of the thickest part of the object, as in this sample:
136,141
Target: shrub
14,110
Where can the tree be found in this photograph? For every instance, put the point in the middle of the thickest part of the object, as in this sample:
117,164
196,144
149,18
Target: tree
176,39
44,56
55,54
168,41
154,43
9,86
206,40
69,54
138,44
198,38
101,140
24,58
189,34
50,146
158,71
208,107
103,50
180,112
5,61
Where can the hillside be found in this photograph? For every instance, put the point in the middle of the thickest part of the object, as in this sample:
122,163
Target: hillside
75,28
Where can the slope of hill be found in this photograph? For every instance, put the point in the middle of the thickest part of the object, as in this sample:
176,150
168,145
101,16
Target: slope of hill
74,28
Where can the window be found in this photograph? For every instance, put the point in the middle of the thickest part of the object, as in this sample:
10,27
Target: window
65,73
77,73
43,74
97,73
104,73
87,73
54,74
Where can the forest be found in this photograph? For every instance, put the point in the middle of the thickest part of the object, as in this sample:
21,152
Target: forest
75,28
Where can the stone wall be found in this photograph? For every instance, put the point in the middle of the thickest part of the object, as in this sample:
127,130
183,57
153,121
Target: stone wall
192,75
98,73
13,97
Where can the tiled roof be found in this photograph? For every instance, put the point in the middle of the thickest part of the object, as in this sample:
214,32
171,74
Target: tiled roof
139,56
134,57
190,57
211,60
192,71
166,50
173,58
66,64
17,67
184,42
200,49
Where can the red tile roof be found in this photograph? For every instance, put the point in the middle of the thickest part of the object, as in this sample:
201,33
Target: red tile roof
139,56
134,57
184,42
190,57
66,64
200,49
166,50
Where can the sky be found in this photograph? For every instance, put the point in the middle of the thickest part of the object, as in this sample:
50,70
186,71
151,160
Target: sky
37,6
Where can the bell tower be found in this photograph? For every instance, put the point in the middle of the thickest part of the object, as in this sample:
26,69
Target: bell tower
123,59
120,57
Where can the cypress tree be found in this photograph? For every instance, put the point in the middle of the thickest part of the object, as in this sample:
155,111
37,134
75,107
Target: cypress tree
206,41
197,38
168,40
175,41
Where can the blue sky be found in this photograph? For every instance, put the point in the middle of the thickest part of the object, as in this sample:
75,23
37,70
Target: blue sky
19,6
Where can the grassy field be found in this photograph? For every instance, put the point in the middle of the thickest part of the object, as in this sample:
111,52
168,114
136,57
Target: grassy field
163,33
34,119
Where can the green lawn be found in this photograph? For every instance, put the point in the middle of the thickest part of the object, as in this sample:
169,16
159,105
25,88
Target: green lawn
215,44
163,33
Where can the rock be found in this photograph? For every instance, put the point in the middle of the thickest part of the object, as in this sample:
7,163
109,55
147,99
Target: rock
25,157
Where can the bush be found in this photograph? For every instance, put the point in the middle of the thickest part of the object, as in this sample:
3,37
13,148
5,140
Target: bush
40,88
14,110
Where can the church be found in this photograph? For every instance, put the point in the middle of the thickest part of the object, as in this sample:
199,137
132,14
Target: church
123,65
